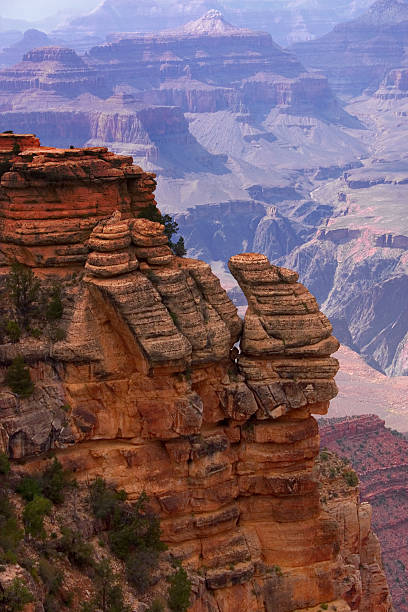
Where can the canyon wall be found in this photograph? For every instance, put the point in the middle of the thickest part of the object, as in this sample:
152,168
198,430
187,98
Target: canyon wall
379,455
145,387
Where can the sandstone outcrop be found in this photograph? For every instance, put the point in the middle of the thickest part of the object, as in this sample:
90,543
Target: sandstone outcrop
156,397
49,227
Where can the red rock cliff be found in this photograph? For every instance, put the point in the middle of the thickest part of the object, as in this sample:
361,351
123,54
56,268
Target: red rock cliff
159,399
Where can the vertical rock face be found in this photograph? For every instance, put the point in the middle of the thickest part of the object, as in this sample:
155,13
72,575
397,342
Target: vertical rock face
156,396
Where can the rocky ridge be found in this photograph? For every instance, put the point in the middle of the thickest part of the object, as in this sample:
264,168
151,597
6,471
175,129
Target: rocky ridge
378,454
147,389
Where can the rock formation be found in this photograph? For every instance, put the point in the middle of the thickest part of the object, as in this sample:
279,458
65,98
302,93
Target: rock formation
156,396
357,55
87,185
379,455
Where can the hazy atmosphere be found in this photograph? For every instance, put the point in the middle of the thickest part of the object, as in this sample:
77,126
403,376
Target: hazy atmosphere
34,11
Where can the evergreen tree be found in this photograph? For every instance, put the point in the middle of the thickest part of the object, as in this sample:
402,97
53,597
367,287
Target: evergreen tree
24,289
18,378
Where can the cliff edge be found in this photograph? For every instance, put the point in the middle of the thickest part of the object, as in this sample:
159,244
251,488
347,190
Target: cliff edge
145,386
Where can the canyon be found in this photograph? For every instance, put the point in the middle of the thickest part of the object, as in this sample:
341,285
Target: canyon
378,455
143,385
256,153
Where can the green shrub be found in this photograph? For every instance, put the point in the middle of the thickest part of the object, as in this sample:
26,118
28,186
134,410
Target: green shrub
134,531
140,565
15,596
72,544
35,332
4,464
57,334
24,290
29,487
54,482
136,528
51,484
55,308
351,478
106,502
18,378
180,591
33,516
13,331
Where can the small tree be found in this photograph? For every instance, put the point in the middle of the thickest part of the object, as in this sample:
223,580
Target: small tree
179,591
170,227
33,516
24,290
18,378
179,248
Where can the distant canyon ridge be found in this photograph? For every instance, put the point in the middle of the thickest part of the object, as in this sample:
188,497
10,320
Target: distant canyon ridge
298,153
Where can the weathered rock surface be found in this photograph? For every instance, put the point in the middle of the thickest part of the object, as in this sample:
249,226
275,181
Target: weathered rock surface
364,577
49,227
157,398
379,455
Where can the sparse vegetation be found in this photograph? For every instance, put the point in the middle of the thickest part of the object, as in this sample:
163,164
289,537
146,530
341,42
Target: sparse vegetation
134,531
72,544
51,484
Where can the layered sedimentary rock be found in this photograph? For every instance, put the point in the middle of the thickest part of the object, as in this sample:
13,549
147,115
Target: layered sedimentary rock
358,54
52,69
206,66
379,455
156,397
51,199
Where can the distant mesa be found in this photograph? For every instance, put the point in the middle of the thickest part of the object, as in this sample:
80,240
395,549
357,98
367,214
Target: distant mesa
358,54
53,54
211,23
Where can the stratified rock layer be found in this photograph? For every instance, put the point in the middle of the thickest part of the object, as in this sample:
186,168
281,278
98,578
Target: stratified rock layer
157,398
379,455
51,199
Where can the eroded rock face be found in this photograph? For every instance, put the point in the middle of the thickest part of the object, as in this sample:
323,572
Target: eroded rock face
157,398
51,199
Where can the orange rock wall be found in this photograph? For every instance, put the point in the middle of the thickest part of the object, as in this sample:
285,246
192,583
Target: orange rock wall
158,399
